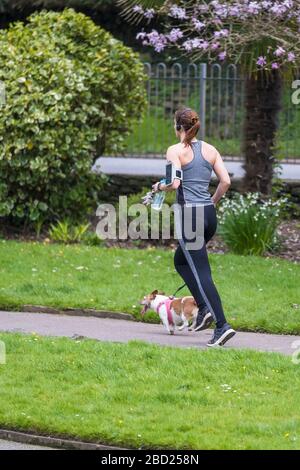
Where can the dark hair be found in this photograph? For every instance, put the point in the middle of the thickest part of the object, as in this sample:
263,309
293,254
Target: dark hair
188,120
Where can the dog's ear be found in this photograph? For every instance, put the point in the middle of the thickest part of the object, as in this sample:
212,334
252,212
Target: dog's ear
154,293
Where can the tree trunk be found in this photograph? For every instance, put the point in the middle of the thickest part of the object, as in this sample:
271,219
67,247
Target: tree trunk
262,103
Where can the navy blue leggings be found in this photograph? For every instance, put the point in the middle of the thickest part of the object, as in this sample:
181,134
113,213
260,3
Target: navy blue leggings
193,265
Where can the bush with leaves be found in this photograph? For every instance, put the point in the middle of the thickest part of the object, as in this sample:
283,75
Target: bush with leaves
72,90
65,232
248,223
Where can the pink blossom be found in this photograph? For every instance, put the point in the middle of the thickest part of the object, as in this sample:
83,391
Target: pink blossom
154,39
234,10
278,9
279,51
149,13
221,33
202,8
288,4
291,57
204,45
221,10
266,5
198,25
254,8
138,9
177,12
191,44
175,34
187,45
207,25
157,40
214,46
261,61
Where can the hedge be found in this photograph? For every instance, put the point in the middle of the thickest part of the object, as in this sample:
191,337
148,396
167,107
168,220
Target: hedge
72,90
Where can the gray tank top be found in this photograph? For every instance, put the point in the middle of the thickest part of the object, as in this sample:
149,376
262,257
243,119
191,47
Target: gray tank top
196,176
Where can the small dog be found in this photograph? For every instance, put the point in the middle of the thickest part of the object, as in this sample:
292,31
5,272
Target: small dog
175,313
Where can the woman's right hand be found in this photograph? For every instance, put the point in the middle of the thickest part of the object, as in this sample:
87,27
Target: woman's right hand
155,187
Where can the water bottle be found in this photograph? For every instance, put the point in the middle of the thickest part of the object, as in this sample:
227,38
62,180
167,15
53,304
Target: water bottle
158,199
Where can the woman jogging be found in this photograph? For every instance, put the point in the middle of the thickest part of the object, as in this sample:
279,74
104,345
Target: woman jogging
196,213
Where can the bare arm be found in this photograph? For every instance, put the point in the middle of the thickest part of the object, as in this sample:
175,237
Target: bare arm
172,156
223,176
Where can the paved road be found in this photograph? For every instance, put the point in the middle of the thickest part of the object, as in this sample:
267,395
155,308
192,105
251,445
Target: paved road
10,445
105,329
156,167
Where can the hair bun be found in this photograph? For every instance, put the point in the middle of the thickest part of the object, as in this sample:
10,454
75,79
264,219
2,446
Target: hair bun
187,119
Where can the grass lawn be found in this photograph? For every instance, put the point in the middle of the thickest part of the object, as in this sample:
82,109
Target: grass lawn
156,133
257,293
138,394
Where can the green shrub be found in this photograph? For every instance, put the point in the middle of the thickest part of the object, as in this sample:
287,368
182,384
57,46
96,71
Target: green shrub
66,232
72,91
91,238
248,223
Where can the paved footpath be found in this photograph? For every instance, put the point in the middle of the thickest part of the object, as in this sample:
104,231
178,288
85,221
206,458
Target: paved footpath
157,167
10,445
105,329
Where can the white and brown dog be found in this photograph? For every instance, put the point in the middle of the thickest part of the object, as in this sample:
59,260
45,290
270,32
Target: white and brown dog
175,313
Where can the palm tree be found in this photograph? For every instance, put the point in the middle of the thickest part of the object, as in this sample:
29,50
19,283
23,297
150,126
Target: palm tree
262,37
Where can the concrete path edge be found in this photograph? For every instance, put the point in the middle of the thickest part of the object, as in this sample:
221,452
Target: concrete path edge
54,442
85,312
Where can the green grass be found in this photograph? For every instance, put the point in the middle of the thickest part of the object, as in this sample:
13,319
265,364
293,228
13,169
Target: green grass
144,395
155,134
258,294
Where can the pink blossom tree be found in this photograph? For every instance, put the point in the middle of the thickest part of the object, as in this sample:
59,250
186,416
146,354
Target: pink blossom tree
261,36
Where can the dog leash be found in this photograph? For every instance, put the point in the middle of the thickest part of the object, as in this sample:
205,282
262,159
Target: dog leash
179,288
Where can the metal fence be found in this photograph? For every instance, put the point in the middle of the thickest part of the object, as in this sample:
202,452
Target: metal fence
217,93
